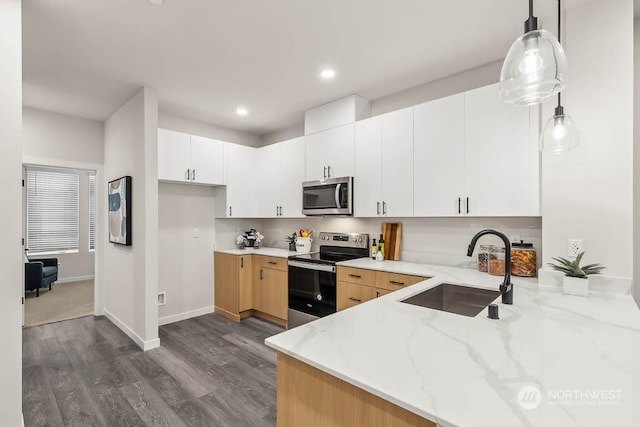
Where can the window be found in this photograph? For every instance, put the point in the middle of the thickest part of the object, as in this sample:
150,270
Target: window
52,210
92,212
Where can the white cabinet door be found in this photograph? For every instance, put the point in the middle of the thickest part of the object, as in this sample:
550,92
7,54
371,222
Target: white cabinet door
397,163
339,150
367,179
292,174
240,163
267,181
173,155
439,157
499,162
329,154
207,160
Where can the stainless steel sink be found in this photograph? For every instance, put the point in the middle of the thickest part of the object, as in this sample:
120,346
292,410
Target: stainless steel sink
456,299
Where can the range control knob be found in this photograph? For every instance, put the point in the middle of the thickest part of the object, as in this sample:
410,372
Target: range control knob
360,239
355,240
319,297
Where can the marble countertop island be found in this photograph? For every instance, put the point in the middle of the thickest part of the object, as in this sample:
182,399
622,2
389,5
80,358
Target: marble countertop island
551,359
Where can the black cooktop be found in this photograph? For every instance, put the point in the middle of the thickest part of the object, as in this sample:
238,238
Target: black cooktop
331,256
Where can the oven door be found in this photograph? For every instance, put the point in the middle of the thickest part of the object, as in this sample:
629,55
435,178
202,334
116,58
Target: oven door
328,197
312,288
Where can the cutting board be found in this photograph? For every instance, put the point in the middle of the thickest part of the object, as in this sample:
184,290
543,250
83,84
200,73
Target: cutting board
392,233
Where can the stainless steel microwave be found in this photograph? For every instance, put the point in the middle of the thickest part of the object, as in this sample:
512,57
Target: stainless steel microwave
332,196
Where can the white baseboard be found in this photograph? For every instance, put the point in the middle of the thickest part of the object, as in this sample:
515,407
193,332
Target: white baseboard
75,279
144,345
184,316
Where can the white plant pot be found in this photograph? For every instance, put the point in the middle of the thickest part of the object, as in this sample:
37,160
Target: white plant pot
575,286
303,245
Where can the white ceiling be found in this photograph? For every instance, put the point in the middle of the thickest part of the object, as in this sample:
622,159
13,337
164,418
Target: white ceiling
205,57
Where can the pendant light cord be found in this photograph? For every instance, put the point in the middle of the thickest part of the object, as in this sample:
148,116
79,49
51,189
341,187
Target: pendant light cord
530,8
559,35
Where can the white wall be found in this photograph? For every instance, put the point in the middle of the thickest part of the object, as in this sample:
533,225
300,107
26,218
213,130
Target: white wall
426,240
587,194
131,273
10,216
186,261
208,130
636,159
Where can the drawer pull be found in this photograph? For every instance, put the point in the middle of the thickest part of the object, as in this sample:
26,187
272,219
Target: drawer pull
393,282
355,299
356,276
273,263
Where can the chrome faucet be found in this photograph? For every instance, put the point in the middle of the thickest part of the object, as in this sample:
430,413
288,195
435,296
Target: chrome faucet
506,288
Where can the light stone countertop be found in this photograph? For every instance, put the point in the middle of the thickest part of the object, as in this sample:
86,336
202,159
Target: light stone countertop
581,354
274,252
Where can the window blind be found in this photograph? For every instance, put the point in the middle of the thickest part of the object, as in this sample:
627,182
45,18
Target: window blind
92,212
52,210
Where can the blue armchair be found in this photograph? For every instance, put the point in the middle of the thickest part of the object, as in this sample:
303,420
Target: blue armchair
40,273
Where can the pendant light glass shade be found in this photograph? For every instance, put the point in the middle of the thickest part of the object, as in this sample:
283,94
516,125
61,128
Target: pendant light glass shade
559,135
534,70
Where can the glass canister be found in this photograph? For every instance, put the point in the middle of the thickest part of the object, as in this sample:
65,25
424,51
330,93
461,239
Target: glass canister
483,257
523,259
496,261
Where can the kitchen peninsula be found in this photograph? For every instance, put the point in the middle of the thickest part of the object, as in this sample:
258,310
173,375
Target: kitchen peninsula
388,363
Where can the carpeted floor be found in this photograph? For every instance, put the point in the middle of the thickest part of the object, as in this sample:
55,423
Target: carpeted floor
64,301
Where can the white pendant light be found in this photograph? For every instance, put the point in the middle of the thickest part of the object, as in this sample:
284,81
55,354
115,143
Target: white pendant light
560,134
535,67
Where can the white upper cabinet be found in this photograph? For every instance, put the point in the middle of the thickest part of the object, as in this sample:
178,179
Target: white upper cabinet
367,180
279,173
502,163
383,179
240,180
207,160
397,163
292,174
189,158
174,155
439,167
329,154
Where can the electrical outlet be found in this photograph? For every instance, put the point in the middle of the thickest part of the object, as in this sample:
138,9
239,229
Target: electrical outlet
196,233
575,247
162,298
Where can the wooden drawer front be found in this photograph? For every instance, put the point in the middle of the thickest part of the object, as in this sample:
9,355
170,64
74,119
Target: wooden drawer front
274,263
350,294
394,281
358,276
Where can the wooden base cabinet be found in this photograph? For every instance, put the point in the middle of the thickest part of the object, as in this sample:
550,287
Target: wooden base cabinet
270,292
309,397
233,284
357,285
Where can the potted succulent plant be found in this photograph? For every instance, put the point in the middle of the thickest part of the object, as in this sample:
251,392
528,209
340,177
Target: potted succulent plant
291,239
575,277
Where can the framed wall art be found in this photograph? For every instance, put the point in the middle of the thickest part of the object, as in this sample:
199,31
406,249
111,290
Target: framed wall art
119,191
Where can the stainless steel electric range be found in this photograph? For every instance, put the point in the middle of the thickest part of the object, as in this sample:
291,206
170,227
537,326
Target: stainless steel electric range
312,277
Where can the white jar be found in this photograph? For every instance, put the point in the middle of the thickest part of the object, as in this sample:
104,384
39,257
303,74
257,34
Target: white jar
303,245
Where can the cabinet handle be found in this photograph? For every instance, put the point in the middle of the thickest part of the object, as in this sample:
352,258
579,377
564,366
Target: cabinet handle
193,175
328,171
378,208
355,299
377,294
273,263
384,208
393,282
357,276
467,205
230,211
260,274
280,208
459,208
325,172
241,262
188,174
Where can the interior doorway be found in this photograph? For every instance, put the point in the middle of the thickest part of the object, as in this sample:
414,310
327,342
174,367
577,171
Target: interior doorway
60,229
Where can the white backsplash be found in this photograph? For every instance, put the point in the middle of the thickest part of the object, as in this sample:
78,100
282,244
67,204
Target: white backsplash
441,241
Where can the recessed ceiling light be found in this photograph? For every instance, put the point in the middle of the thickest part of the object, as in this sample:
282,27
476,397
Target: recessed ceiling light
241,111
328,74
157,2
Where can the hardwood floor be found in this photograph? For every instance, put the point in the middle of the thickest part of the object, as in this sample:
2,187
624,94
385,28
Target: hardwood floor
209,371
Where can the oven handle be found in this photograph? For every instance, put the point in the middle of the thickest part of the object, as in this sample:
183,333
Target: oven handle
338,196
310,266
